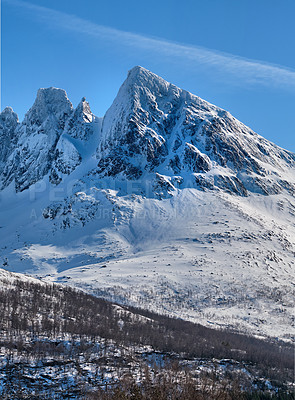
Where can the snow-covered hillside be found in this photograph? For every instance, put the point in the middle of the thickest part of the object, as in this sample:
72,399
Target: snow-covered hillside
168,203
59,342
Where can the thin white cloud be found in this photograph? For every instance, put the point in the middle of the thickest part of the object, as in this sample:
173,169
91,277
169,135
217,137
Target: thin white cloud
245,70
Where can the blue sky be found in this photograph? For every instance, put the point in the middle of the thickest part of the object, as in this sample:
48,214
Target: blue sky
238,55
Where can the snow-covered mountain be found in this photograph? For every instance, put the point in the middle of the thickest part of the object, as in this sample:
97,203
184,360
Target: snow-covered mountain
168,202
155,127
44,143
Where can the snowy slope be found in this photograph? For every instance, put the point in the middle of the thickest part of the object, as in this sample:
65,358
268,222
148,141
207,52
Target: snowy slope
168,203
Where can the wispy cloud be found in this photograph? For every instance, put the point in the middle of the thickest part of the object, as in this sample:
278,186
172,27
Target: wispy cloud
245,70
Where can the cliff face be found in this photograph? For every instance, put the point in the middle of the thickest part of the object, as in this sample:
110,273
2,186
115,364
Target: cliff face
155,127
154,133
42,143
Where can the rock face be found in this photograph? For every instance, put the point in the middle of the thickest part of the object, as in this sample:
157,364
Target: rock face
79,124
153,129
43,143
8,138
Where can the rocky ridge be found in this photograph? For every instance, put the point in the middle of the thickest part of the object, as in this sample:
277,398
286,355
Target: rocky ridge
44,143
154,133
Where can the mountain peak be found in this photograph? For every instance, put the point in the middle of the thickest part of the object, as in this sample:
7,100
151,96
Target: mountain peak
83,111
155,127
83,104
138,70
8,114
51,95
142,77
7,110
49,101
142,83
79,125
